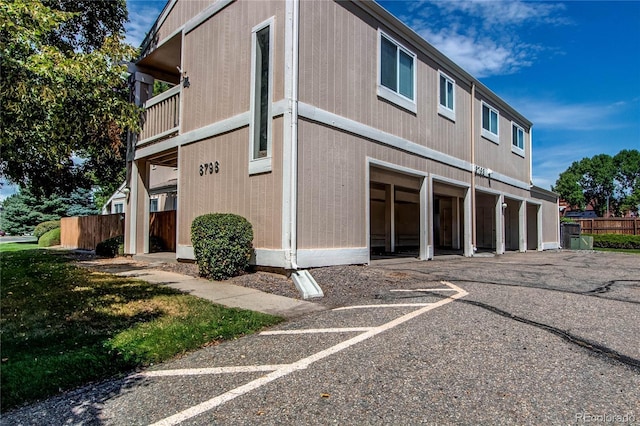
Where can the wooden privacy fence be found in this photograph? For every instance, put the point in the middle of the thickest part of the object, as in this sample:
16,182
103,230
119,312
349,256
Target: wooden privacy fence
610,225
163,226
85,232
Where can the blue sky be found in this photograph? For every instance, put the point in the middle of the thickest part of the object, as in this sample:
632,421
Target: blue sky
572,68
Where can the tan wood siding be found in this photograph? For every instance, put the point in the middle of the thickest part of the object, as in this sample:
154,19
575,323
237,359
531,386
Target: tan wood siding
182,12
332,184
338,73
217,59
499,157
550,222
258,197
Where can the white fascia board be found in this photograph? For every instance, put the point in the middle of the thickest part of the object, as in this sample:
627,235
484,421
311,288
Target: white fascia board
207,13
185,252
395,167
224,126
261,257
449,181
554,245
312,258
325,117
269,257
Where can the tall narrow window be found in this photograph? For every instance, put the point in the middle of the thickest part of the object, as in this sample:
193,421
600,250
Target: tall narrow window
260,147
396,79
446,106
490,123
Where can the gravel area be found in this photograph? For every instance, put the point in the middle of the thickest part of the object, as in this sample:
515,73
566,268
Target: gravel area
341,284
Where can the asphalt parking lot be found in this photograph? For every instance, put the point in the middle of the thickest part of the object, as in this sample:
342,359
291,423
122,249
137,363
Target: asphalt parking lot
533,338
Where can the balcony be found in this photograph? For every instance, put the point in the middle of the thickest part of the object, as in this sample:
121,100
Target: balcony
161,118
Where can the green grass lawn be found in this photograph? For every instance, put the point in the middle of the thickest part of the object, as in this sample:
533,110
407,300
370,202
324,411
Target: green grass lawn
64,326
617,250
5,247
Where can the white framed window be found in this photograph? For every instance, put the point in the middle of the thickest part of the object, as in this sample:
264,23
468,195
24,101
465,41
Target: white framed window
118,208
396,73
490,120
261,88
153,205
446,98
517,139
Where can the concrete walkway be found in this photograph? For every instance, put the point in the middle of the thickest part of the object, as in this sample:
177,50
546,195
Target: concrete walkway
226,294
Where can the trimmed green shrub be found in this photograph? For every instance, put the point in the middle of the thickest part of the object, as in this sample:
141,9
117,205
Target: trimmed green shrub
617,241
111,247
50,238
114,246
45,227
222,244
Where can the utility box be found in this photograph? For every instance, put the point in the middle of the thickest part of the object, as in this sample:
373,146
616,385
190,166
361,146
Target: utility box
581,242
574,243
567,231
586,242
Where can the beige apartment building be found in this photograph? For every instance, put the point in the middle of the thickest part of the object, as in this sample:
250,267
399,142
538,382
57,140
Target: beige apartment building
336,130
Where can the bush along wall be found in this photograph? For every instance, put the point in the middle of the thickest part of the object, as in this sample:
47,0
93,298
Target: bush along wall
50,238
44,227
616,241
222,244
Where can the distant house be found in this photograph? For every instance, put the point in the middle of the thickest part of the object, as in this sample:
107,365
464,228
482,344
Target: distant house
336,130
163,194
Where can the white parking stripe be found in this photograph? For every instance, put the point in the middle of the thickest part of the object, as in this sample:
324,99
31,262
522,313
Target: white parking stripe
423,289
303,363
383,305
315,330
213,370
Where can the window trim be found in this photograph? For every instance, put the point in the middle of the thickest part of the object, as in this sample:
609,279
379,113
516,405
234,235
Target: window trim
514,148
157,203
443,110
389,94
261,165
115,207
487,134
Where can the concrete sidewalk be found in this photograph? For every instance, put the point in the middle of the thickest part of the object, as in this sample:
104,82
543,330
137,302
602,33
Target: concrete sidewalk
226,294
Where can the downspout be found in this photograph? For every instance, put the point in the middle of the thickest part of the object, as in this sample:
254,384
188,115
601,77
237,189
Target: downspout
473,171
291,93
294,136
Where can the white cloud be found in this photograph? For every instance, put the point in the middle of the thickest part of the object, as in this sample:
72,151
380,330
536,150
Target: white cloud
142,16
549,114
481,57
505,12
483,36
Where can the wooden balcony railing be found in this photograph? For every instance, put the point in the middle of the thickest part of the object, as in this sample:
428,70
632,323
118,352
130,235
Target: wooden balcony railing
161,118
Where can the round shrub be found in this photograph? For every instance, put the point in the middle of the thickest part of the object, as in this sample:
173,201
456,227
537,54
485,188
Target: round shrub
111,247
222,244
50,238
45,227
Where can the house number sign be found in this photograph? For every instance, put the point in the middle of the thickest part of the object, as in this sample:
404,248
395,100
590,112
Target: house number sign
209,168
483,171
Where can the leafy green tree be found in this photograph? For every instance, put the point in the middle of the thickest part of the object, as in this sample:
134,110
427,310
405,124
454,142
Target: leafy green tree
627,164
64,93
568,186
603,180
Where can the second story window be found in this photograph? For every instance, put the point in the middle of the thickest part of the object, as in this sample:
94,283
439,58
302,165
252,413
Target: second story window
262,77
490,123
396,73
517,139
446,89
